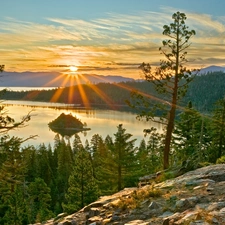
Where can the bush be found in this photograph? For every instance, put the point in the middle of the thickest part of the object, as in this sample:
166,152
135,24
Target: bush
133,201
221,160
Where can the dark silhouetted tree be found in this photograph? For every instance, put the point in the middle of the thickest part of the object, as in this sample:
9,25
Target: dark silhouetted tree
170,79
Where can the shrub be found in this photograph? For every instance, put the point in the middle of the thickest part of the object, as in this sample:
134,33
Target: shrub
221,160
133,201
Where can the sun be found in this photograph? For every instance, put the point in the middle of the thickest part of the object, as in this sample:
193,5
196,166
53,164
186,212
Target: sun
73,68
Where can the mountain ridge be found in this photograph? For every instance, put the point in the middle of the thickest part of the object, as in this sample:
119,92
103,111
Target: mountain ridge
212,68
54,79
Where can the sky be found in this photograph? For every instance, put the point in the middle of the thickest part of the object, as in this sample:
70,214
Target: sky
104,37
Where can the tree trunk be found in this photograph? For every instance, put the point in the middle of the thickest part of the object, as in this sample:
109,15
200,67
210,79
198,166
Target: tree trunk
170,125
168,137
119,185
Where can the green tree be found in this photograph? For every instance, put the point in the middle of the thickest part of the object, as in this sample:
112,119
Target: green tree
43,168
150,154
191,139
39,201
30,159
12,182
187,134
83,188
218,130
122,163
98,152
100,157
65,165
77,144
12,170
170,79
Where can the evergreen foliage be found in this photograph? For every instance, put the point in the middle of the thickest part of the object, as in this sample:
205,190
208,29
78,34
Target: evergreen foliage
121,163
218,130
198,93
73,175
150,154
83,188
170,79
39,200
187,134
67,125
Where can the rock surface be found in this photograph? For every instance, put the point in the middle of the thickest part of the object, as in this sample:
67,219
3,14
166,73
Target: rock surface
195,198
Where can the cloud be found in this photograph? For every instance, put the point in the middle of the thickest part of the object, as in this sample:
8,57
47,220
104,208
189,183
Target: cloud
207,23
125,40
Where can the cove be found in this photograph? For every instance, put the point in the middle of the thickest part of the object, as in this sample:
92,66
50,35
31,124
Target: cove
102,122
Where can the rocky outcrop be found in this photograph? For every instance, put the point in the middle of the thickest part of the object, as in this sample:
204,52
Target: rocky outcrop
195,198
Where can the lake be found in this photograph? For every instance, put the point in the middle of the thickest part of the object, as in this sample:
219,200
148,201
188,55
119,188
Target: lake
102,122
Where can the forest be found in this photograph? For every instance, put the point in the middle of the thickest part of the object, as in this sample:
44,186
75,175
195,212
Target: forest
37,183
203,92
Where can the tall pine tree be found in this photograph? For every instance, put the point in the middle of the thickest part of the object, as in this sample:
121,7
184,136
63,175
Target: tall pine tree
170,79
122,163
83,188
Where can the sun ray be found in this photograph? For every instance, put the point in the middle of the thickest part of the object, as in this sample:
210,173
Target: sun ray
100,93
103,96
71,90
54,80
34,93
131,89
104,80
58,92
82,93
31,95
76,87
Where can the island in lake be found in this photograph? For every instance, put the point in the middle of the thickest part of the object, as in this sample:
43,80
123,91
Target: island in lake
67,125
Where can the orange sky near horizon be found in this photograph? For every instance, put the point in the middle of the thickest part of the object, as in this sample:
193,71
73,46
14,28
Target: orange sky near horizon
109,43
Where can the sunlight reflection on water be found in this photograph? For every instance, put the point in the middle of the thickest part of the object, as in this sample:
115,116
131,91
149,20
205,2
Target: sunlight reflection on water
102,122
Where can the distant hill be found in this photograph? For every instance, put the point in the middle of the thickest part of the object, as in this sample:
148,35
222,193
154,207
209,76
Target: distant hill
203,92
212,69
54,79
47,79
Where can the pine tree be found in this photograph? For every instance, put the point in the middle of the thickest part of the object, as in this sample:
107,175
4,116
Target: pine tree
77,144
99,151
121,165
30,159
100,157
150,154
83,188
218,130
39,201
12,182
170,79
65,165
42,164
191,138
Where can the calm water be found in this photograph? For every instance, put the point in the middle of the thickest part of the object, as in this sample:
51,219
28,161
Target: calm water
102,122
26,88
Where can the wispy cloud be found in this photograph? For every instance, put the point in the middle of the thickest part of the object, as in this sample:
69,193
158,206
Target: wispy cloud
125,40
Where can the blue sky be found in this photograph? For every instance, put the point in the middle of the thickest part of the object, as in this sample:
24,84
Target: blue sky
102,36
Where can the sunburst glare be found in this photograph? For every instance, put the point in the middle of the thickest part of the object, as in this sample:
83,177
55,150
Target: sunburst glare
73,68
78,84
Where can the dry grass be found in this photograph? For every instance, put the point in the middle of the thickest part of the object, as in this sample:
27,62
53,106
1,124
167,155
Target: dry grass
133,201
